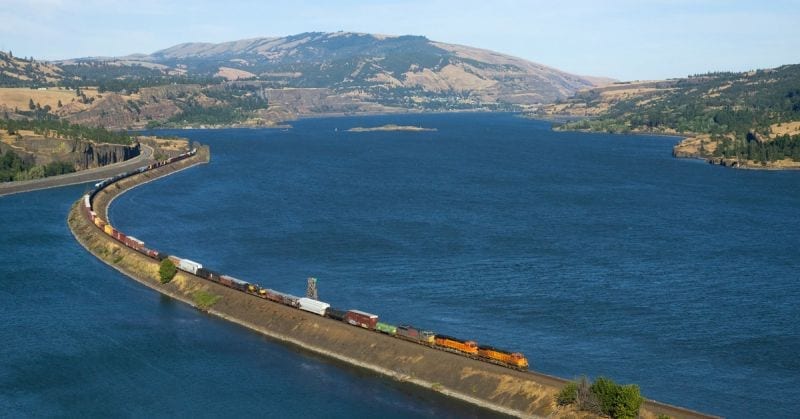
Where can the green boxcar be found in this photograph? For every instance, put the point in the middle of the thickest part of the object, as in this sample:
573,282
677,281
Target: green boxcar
386,328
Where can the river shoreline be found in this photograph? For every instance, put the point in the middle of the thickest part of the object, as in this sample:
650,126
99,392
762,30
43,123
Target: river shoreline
684,149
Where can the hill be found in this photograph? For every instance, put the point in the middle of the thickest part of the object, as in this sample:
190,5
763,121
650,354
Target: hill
749,119
388,68
18,72
263,81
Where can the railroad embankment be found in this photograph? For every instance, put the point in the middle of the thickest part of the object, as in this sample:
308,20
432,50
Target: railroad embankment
517,393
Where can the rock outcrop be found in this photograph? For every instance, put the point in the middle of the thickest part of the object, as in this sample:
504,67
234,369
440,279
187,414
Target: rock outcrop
83,154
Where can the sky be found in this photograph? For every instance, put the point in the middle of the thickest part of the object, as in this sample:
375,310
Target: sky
622,39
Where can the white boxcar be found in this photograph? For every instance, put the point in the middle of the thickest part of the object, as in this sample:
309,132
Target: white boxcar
86,202
189,266
313,306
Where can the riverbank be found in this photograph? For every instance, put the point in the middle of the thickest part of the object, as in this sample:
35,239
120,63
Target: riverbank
699,146
494,387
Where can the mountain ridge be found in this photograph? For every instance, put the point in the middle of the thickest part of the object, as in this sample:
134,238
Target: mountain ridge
351,61
263,81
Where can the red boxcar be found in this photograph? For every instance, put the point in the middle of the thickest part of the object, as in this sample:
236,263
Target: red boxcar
134,243
362,319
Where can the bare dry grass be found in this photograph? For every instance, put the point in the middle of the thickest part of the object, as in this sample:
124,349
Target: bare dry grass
786,128
233,73
20,97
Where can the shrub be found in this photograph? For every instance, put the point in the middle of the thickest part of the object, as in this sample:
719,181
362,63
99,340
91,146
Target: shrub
587,400
568,394
167,271
628,402
606,391
580,394
204,300
622,402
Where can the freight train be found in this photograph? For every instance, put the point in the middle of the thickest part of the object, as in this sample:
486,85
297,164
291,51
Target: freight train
356,318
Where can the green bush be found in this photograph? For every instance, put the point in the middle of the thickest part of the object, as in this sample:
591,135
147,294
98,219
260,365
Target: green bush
568,394
167,271
606,391
617,401
628,402
204,300
604,396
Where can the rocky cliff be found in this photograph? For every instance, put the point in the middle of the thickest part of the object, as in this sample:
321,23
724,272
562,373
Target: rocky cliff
83,154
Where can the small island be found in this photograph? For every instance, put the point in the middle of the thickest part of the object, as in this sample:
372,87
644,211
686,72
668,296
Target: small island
391,127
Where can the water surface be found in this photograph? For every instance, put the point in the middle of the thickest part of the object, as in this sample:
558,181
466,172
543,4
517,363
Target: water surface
593,254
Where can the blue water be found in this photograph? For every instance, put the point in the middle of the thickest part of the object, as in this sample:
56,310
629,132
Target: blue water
593,254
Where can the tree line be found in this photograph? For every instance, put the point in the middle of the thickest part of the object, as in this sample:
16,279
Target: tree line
14,168
63,129
743,106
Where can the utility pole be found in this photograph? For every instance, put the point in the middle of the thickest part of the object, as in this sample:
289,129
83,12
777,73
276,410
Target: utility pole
311,289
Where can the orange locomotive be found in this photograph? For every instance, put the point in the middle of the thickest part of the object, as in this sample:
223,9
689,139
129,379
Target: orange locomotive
451,343
513,359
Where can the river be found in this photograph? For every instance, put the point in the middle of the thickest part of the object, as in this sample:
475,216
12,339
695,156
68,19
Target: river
592,254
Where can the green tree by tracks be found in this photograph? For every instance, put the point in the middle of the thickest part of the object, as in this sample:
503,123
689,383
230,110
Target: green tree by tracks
167,271
604,396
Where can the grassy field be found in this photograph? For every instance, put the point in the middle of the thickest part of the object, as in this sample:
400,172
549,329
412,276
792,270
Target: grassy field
20,97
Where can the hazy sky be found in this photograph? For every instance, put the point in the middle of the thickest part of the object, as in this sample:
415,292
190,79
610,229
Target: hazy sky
624,39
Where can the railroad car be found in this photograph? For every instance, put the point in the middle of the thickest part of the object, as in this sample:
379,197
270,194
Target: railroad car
407,332
256,290
455,344
204,273
386,328
286,299
189,265
120,236
514,359
361,319
234,283
335,313
108,229
252,289
150,253
312,306
134,243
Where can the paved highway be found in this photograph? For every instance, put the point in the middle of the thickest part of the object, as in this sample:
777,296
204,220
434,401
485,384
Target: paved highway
83,176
